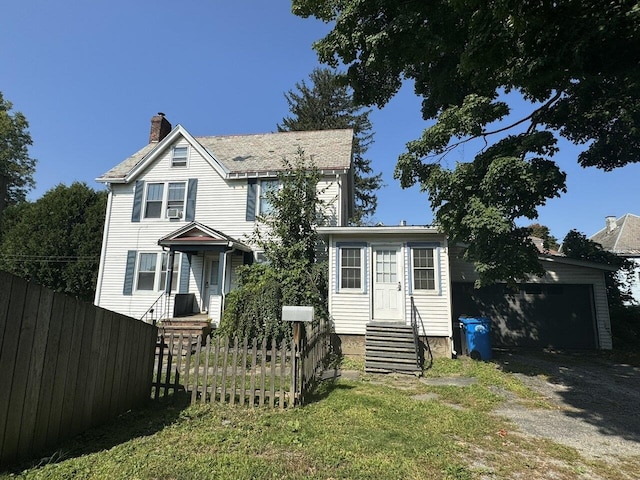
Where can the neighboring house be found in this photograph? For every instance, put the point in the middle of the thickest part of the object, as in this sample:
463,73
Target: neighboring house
180,210
622,237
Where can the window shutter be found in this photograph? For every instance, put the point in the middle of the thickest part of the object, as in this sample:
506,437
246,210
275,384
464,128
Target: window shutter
137,201
252,191
192,191
185,267
127,289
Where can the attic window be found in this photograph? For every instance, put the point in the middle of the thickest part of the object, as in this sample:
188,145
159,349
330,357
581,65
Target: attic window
179,156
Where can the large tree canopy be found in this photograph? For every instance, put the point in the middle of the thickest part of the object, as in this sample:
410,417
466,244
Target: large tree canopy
16,167
326,104
56,240
576,62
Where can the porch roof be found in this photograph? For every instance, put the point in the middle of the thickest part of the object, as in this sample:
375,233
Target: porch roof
196,236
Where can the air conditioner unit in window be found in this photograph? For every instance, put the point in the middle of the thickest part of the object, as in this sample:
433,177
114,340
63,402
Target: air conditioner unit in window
174,213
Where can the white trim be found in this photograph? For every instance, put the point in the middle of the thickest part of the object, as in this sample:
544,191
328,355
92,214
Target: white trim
103,250
157,276
398,247
158,150
383,230
186,156
411,274
164,207
362,289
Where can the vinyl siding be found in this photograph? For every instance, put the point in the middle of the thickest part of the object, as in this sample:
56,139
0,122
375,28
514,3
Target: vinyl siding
556,273
352,311
434,308
220,204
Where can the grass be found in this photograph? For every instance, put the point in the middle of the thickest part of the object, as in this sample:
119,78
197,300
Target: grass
367,429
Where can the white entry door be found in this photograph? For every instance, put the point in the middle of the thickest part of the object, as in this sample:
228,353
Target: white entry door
212,293
387,283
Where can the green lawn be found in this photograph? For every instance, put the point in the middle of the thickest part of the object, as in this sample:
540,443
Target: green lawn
370,428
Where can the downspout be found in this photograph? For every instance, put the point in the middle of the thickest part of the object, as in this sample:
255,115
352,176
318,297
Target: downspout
103,250
224,276
168,282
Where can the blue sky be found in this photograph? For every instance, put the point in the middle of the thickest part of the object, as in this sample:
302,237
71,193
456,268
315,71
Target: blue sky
89,76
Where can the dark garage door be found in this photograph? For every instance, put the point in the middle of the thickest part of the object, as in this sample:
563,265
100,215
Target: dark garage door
533,315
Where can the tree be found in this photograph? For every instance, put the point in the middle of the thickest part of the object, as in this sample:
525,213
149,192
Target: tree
576,63
16,167
56,240
327,104
577,245
543,232
292,275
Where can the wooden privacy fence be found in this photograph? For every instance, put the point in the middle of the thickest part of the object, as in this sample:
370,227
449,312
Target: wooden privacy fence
237,371
65,366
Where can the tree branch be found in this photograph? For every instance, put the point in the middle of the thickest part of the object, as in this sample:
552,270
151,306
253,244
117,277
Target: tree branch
484,135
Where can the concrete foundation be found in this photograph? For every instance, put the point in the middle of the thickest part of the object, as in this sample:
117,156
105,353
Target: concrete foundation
353,346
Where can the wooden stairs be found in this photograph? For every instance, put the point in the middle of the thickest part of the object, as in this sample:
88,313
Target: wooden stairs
391,347
189,326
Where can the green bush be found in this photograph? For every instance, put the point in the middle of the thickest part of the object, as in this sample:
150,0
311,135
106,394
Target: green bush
254,309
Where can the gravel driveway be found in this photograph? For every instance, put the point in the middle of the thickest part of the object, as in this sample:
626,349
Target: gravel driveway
596,402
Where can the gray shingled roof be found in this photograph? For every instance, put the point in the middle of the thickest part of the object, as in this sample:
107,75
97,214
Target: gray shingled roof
624,239
261,153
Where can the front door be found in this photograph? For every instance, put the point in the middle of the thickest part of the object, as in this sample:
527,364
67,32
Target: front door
387,283
212,291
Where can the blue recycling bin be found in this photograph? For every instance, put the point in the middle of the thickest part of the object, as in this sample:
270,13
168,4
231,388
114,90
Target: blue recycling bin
477,332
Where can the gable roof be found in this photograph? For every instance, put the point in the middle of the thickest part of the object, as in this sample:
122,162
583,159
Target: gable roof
200,235
623,237
243,156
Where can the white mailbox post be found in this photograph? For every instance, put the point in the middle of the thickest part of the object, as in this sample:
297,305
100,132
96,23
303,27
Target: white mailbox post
298,315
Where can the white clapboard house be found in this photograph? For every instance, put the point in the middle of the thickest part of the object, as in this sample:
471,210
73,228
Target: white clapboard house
180,210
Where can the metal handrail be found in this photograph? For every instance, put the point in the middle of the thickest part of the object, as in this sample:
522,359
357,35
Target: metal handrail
415,316
151,310
414,326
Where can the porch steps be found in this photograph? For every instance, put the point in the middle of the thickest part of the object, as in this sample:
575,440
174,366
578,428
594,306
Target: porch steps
187,326
390,348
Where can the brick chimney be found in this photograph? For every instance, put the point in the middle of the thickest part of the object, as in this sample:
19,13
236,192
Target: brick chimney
160,128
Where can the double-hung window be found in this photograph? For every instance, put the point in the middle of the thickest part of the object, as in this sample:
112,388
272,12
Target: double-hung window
267,187
179,156
350,268
153,202
175,200
146,271
165,200
152,271
424,271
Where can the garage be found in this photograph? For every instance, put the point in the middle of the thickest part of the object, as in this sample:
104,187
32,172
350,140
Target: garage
538,315
565,308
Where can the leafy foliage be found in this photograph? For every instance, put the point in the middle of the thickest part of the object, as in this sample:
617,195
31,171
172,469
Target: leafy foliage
625,316
577,63
16,167
328,104
254,309
56,240
292,275
543,232
577,245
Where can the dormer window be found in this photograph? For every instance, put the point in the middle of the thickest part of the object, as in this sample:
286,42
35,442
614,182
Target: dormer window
179,156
